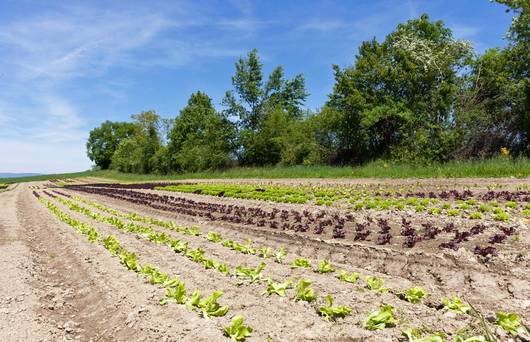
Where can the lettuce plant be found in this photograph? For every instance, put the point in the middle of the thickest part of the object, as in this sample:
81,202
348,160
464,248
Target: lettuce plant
213,237
111,244
177,292
304,291
130,260
333,312
325,267
351,278
301,263
509,322
196,254
223,268
265,252
237,330
459,338
415,295
380,319
179,246
278,288
455,305
208,307
413,335
279,255
375,283
252,274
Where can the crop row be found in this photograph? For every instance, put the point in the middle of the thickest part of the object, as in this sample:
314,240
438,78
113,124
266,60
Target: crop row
434,204
175,289
378,230
304,291
323,194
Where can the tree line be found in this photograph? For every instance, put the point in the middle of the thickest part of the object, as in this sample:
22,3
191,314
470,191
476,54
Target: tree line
420,95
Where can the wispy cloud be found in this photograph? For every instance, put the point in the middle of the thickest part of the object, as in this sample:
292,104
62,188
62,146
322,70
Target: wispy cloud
322,25
45,53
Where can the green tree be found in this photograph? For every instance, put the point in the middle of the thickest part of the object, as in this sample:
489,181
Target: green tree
396,100
254,102
201,138
139,152
518,63
104,140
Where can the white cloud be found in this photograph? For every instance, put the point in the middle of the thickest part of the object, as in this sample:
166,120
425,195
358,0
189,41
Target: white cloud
322,25
45,53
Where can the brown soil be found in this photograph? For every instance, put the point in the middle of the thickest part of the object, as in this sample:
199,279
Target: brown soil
62,287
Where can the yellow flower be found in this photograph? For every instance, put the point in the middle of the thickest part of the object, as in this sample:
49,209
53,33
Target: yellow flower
505,152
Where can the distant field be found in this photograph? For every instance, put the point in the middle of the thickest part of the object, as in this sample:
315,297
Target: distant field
500,167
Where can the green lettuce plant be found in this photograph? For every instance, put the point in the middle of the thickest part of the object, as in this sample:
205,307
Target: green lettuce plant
325,267
351,278
208,307
237,330
333,312
380,319
304,291
278,288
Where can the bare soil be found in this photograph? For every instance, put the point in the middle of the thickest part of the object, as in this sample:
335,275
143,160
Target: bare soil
58,286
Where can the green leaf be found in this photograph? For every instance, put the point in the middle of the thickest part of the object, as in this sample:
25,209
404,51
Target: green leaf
352,278
177,292
380,319
237,330
304,291
415,295
413,335
252,274
208,306
333,312
510,322
459,338
455,305
279,255
301,263
213,237
325,267
375,283
278,288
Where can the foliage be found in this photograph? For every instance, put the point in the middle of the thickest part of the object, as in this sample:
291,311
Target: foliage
333,312
237,330
455,305
325,267
415,295
201,138
207,306
104,140
510,322
301,263
351,278
263,109
304,291
414,335
278,288
251,274
380,319
375,283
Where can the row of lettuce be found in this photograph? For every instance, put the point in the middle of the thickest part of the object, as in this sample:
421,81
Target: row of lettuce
209,307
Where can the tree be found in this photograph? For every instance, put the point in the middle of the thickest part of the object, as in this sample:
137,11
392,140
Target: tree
396,100
201,138
518,64
253,102
104,140
139,152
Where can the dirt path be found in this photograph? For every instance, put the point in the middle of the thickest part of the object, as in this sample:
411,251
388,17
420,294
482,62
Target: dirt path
19,318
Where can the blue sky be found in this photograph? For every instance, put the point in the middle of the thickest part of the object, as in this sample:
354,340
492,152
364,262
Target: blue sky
66,66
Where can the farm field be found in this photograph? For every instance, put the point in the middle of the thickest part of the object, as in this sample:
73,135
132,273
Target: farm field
266,260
